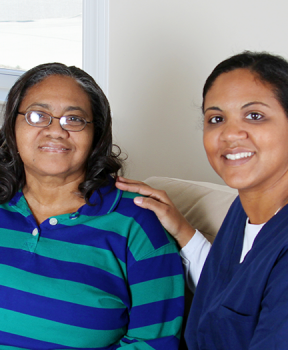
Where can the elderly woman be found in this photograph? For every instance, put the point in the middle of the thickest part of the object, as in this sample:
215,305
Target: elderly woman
241,298
81,266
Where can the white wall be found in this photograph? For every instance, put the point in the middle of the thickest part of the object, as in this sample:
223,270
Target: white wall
161,52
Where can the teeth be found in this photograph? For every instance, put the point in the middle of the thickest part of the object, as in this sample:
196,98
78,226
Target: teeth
55,148
239,155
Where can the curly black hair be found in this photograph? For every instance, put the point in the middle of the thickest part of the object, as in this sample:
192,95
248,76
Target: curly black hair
103,161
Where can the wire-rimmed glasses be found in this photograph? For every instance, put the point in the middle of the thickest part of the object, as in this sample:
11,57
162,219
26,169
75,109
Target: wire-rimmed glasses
43,119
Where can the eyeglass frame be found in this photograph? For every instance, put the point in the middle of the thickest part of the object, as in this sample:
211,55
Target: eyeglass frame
51,118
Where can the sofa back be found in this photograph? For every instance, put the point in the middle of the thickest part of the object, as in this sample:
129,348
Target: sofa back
204,204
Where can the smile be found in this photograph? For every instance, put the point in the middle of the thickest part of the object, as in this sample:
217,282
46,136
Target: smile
49,148
239,155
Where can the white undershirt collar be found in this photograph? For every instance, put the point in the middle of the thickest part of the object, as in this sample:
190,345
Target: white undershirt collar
250,233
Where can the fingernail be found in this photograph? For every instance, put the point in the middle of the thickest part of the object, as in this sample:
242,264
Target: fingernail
138,200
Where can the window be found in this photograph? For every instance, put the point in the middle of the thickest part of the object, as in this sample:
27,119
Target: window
38,31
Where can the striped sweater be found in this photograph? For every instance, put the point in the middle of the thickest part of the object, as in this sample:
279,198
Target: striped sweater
105,277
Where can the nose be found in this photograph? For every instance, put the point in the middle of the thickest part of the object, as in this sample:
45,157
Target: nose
233,131
55,129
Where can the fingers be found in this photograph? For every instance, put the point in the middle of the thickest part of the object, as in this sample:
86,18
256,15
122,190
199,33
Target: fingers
154,196
125,184
162,210
172,220
134,187
149,203
159,202
125,180
141,188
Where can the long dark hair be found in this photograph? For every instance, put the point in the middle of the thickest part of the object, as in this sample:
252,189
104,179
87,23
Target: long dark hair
267,68
102,162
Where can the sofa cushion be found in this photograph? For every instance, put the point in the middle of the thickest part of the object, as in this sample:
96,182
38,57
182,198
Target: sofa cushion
204,204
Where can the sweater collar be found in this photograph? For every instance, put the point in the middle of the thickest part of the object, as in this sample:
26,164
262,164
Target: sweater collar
104,200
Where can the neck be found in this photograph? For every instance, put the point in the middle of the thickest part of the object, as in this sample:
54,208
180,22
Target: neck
52,197
261,207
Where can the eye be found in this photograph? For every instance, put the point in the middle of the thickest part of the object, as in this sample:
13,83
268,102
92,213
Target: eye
254,116
216,119
74,119
36,117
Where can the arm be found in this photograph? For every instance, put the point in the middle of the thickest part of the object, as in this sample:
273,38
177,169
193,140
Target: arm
156,315
156,285
158,201
193,256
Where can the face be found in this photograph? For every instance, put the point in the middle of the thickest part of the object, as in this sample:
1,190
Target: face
245,132
52,151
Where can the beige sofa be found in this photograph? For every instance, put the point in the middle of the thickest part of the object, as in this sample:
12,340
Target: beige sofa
203,204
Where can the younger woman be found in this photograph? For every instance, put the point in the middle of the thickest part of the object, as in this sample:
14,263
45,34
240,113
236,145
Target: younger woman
241,299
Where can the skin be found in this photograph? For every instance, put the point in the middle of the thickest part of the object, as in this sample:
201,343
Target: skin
54,159
242,119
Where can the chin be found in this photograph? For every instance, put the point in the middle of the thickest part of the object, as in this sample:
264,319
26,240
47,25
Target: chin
235,182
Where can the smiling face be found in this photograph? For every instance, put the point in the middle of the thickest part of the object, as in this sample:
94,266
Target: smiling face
245,132
52,151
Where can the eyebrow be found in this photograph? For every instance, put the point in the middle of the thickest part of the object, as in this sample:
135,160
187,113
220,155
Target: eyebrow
255,103
38,105
68,109
214,108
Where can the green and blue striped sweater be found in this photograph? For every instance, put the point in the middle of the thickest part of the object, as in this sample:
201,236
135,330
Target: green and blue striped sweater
105,277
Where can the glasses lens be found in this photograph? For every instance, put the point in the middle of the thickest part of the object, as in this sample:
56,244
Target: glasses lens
72,123
36,118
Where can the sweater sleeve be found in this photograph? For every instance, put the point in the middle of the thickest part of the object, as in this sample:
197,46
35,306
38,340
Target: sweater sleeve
271,331
193,256
156,286
155,283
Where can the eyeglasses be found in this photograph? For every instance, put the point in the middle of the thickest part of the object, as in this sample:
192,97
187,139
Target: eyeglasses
67,122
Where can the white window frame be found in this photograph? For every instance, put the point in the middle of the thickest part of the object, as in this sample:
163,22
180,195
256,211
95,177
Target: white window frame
95,46
96,41
7,79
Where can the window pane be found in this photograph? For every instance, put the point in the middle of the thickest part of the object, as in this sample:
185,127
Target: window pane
40,31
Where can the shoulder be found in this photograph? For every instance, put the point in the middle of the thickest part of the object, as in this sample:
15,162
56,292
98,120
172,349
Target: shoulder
118,213
146,234
127,207
234,221
146,218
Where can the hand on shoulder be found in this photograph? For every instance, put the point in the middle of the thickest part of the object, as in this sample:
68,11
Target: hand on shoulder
159,202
